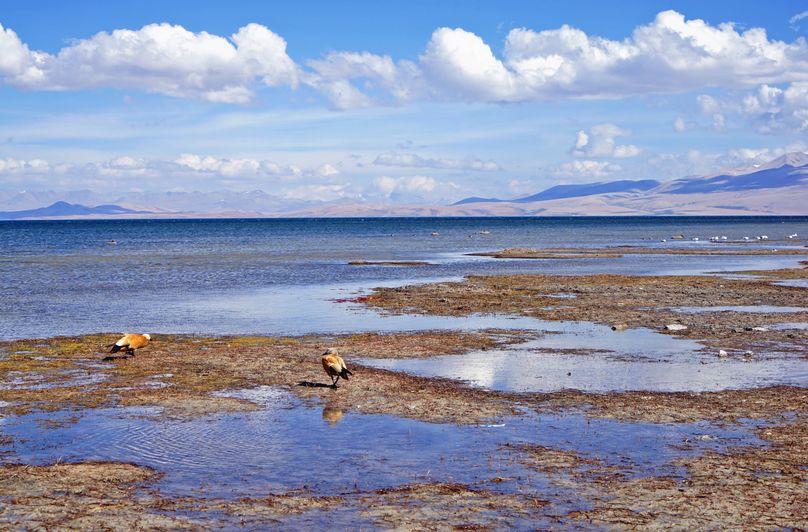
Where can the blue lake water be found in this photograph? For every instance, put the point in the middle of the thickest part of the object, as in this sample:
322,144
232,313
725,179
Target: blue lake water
281,446
268,276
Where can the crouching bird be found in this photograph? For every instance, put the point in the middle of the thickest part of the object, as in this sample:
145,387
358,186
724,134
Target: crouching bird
334,366
130,342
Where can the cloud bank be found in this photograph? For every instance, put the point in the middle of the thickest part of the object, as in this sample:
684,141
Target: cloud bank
411,160
668,55
160,58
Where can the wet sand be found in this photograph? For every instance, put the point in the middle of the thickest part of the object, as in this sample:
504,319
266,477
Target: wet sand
402,450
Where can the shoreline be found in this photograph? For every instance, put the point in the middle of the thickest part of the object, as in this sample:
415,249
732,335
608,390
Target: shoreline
182,378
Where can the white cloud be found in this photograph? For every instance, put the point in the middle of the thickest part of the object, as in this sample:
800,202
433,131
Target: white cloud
770,109
411,160
236,167
697,162
415,184
10,165
680,125
671,54
326,170
796,18
154,173
460,64
518,187
668,55
719,122
384,81
600,141
160,58
587,168
412,187
320,192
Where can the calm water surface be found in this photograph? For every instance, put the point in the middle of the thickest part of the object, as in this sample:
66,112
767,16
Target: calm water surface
269,276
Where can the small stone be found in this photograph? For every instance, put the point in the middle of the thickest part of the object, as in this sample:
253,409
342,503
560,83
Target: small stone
619,326
675,327
760,329
748,354
738,329
723,354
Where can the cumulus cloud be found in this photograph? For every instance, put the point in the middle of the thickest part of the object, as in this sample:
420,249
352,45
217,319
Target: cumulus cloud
186,168
769,109
159,58
415,184
600,141
320,192
235,167
699,162
668,55
326,170
412,187
10,165
383,80
671,54
587,168
411,160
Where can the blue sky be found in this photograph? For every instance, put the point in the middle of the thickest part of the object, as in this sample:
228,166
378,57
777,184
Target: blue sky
393,101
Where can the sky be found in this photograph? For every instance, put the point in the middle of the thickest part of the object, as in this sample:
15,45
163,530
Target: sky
401,102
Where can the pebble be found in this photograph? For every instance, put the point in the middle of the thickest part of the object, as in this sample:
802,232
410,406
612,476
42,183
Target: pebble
619,327
675,327
723,354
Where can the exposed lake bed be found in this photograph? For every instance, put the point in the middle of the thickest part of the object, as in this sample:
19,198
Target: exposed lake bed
402,439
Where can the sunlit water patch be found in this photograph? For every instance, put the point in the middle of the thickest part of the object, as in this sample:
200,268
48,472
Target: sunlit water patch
796,283
547,365
801,326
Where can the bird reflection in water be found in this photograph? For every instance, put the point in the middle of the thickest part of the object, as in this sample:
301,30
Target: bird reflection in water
332,415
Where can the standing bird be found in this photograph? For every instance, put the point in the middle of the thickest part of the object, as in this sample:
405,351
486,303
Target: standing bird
129,342
334,366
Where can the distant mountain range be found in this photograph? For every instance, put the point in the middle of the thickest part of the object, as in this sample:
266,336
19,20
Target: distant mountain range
777,187
574,191
62,209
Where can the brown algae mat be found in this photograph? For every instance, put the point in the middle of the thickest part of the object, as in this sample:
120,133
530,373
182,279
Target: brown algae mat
752,487
181,374
762,487
625,301
121,496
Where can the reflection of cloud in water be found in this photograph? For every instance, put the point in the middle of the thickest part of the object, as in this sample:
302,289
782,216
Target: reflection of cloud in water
519,369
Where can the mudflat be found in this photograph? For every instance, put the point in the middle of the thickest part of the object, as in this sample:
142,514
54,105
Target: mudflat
725,458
